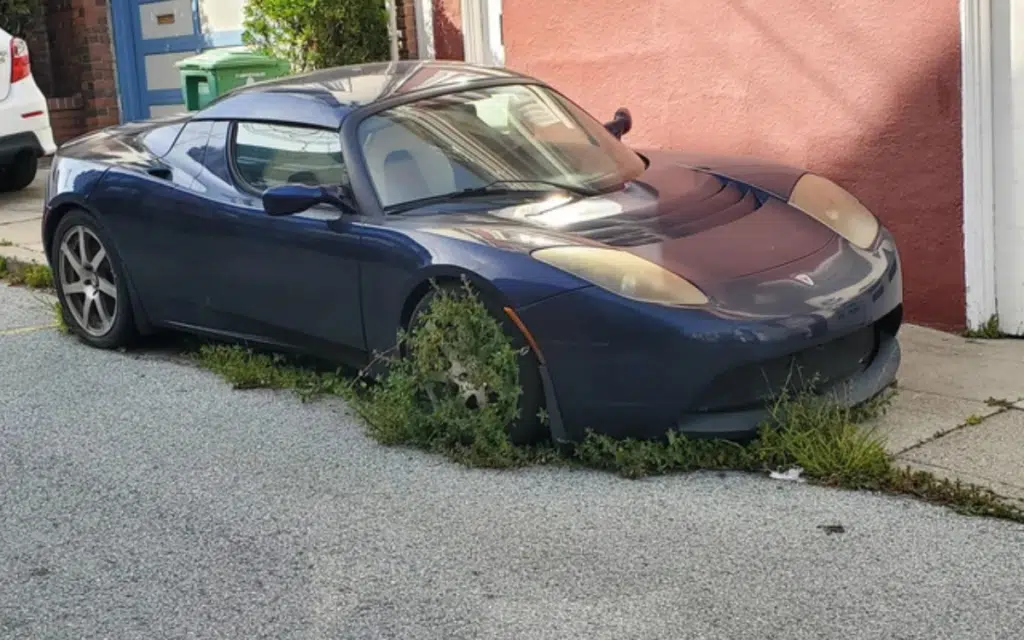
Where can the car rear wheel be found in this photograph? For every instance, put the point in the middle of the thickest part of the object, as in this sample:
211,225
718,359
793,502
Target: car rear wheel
528,427
90,283
20,172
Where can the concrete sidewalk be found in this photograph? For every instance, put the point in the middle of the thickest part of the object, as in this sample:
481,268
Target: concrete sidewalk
959,413
21,215
960,409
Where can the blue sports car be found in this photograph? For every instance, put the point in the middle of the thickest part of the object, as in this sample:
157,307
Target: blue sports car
657,290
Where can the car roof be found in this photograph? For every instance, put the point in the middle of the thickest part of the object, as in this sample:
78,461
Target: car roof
323,98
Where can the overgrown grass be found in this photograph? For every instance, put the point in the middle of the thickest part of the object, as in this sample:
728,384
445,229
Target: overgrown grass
413,405
17,273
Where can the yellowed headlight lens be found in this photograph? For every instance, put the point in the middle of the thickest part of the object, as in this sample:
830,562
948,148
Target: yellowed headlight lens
623,273
835,207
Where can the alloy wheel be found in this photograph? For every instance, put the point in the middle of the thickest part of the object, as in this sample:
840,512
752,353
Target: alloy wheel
88,281
474,396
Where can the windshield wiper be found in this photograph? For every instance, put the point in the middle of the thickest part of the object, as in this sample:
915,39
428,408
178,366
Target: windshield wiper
489,189
491,186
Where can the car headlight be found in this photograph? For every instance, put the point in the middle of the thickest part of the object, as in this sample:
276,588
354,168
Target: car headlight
835,207
623,273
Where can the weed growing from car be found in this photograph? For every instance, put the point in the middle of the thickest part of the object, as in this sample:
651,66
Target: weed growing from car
416,403
413,404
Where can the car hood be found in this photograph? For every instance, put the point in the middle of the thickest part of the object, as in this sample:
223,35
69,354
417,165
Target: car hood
701,221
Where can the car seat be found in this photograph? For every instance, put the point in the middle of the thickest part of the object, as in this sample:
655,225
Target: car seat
405,167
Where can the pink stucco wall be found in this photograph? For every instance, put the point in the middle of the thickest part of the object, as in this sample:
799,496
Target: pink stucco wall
863,91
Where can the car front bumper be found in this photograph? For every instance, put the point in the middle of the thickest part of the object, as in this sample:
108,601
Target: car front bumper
627,369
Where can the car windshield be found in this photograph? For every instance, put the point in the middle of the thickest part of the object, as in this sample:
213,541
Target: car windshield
511,139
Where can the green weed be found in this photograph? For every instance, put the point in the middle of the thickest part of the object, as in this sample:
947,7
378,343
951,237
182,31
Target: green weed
988,331
34,276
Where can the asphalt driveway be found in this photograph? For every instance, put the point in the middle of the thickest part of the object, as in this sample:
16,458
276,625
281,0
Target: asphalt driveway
143,498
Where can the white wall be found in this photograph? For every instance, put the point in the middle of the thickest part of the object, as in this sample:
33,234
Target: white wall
1008,161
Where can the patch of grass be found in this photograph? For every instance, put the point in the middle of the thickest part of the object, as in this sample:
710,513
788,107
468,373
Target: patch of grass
988,331
248,369
972,420
17,273
825,440
58,318
6,243
1002,403
962,497
415,405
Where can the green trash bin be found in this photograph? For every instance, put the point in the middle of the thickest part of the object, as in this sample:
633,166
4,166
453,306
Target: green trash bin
213,73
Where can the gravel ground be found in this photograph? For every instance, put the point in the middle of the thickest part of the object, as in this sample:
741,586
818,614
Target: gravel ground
143,498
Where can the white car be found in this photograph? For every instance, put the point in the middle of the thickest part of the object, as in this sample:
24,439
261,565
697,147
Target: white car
25,133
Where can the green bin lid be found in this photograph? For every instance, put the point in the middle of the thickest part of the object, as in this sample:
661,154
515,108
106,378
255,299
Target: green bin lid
215,59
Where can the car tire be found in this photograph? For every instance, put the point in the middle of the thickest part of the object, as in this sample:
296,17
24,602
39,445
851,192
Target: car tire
93,293
527,428
20,173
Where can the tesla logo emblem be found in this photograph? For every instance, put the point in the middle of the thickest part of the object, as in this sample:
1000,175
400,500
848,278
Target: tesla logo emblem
803,278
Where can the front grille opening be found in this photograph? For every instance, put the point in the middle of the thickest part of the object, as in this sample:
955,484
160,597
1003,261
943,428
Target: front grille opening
891,322
808,371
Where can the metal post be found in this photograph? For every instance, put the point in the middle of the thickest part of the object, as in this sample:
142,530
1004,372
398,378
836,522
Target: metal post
392,28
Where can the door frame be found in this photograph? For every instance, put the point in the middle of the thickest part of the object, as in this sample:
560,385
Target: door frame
130,52
993,200
482,32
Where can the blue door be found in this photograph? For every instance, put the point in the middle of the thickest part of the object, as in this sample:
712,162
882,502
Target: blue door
151,35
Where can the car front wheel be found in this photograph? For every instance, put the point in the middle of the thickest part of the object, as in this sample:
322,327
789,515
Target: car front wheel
527,428
20,172
90,283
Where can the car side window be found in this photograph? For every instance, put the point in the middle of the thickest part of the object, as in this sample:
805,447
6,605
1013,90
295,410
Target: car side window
267,155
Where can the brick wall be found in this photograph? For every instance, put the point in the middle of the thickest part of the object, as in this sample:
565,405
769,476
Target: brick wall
95,56
39,52
79,69
405,11
60,20
67,118
448,43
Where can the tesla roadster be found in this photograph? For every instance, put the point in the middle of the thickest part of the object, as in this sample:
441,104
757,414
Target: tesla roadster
657,290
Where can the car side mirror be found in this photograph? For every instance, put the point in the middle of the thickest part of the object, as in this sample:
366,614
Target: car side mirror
621,123
288,199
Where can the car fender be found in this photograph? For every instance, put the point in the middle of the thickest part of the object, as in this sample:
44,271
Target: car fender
66,201
420,285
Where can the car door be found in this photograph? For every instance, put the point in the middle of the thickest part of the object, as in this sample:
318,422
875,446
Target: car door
290,280
157,218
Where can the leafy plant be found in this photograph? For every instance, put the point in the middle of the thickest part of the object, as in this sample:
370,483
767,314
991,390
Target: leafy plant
18,16
417,403
314,34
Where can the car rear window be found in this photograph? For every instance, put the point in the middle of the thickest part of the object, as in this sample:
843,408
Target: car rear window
160,140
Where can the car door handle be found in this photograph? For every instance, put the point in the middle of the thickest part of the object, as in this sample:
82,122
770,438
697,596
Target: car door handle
160,172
